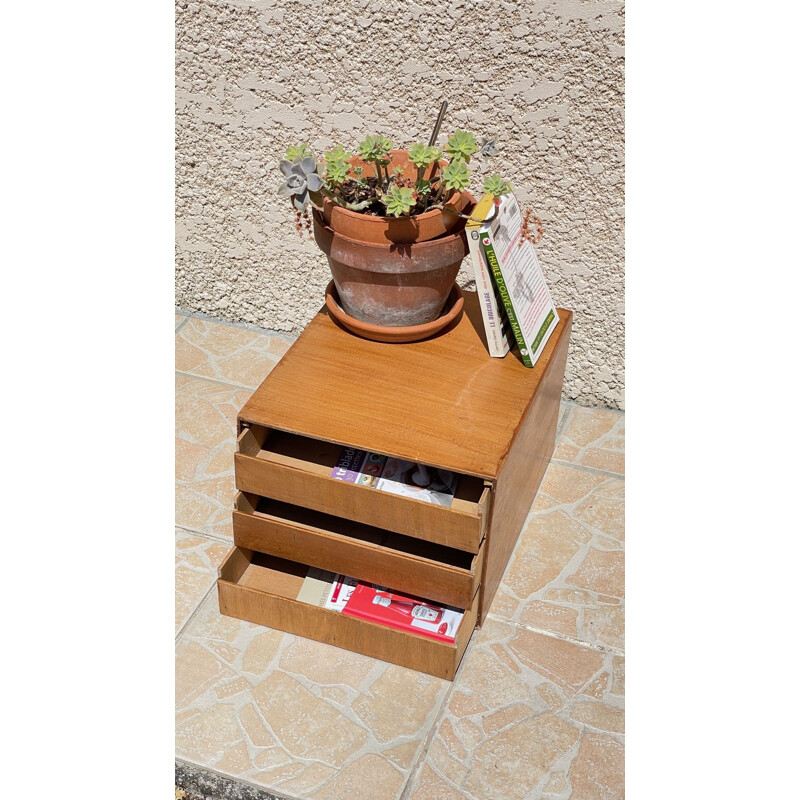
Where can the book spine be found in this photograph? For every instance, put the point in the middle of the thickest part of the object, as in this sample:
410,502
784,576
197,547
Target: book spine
492,321
491,258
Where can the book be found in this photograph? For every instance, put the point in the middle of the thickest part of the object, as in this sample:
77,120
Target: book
495,319
382,605
519,280
396,476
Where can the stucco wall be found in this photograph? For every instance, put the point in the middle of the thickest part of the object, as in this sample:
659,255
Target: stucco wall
542,78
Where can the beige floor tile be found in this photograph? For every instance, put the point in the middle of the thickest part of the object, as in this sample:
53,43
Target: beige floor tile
567,573
529,716
598,771
227,353
205,438
593,437
196,561
179,318
295,716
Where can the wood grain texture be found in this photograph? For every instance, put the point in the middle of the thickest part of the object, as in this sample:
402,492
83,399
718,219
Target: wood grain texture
297,484
442,402
266,593
236,562
430,571
522,471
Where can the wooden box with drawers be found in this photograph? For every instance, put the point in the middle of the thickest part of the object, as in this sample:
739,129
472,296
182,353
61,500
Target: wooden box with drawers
443,403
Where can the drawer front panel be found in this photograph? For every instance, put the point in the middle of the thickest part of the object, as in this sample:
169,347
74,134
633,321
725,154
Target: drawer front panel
461,529
251,599
370,554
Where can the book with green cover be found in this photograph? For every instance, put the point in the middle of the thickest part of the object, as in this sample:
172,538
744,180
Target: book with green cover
520,282
495,320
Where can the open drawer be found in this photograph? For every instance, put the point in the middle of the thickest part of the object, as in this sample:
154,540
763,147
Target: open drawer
297,470
441,574
263,589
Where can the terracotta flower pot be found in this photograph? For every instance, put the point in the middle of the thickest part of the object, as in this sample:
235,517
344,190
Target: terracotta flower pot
401,230
397,285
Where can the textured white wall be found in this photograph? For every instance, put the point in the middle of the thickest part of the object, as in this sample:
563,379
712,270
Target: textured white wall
542,78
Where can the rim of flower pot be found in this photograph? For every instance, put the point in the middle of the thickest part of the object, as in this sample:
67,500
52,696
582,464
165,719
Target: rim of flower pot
438,242
372,219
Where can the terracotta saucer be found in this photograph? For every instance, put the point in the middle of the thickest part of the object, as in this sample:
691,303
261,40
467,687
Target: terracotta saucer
384,333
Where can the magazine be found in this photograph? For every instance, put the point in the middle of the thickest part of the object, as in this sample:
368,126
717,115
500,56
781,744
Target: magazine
382,605
396,476
375,603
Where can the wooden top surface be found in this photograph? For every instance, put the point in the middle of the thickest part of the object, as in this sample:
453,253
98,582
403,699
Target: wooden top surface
443,402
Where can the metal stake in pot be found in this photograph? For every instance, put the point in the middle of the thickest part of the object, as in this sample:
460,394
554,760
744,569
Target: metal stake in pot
438,124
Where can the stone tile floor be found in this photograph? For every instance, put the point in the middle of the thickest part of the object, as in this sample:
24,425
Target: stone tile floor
537,707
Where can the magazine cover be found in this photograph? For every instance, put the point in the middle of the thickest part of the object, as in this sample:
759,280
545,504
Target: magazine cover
349,465
385,607
419,482
393,475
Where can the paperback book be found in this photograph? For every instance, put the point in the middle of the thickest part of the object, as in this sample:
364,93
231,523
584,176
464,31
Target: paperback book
393,475
326,589
520,282
495,320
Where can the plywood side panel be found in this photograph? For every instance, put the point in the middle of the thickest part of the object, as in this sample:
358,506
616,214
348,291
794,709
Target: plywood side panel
522,473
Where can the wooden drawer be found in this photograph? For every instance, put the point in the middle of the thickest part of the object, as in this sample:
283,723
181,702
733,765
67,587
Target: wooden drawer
263,589
438,573
297,470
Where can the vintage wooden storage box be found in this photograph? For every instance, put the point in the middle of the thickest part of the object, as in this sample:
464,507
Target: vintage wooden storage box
443,403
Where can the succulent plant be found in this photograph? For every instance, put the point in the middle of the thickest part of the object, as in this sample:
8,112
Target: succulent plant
301,178
298,152
455,175
460,146
496,185
375,148
389,191
338,153
420,155
336,172
399,200
337,165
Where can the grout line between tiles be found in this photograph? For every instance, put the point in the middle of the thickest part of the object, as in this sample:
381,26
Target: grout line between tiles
231,384
183,322
600,648
588,469
289,337
562,423
419,762
179,633
214,536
